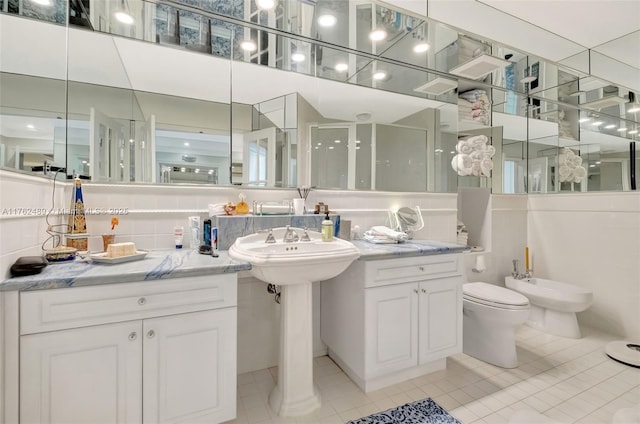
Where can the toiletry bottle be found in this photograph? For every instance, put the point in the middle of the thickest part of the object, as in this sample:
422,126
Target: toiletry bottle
207,232
178,233
327,228
242,208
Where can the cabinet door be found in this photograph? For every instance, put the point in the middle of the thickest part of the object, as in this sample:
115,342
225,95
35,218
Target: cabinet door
84,375
391,329
440,318
190,367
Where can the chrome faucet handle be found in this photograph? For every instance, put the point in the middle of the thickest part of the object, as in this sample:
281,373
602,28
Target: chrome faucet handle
515,274
305,236
270,237
289,235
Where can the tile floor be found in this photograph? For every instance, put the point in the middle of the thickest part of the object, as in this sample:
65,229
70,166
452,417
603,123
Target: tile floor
570,381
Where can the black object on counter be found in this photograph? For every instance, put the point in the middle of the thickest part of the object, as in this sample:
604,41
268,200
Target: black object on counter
28,265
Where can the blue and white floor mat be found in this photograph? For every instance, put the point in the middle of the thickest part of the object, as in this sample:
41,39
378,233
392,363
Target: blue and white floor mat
424,411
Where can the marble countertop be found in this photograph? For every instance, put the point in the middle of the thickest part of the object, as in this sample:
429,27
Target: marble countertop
372,251
157,265
163,264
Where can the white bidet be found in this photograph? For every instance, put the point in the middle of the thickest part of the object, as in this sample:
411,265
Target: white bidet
553,304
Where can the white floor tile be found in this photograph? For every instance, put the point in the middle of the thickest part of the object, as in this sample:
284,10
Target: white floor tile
568,380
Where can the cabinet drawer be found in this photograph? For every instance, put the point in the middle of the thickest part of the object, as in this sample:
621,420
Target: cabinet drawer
56,309
393,271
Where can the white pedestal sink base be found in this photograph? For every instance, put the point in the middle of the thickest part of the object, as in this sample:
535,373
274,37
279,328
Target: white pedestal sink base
295,394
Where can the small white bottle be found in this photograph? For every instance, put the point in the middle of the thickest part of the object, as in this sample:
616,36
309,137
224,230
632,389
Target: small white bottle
327,229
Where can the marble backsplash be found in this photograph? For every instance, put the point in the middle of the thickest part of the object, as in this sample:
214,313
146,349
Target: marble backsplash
232,227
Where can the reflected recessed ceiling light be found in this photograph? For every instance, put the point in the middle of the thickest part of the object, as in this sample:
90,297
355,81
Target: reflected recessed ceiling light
197,170
621,129
297,57
84,162
581,120
41,2
210,171
337,141
265,4
608,127
438,150
380,75
124,17
131,140
248,45
182,169
421,47
634,110
357,147
592,166
453,152
377,35
633,132
316,147
319,144
31,126
597,123
363,116
327,20
598,162
357,141
186,143
341,67
331,147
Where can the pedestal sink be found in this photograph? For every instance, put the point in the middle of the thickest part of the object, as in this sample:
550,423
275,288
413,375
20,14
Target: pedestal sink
293,266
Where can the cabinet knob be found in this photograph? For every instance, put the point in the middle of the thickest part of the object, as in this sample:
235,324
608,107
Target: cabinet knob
423,290
421,268
415,291
150,334
142,301
133,335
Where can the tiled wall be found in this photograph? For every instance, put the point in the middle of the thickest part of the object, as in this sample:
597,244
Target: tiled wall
583,238
592,240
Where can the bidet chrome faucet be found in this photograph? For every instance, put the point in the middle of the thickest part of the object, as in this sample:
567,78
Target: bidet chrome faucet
515,273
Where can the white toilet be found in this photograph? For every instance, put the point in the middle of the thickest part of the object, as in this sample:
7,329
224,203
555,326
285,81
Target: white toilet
491,316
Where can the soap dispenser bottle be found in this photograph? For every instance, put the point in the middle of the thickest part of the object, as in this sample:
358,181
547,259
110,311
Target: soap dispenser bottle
327,228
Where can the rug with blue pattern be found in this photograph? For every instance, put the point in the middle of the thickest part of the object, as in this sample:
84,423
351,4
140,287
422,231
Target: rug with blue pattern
424,411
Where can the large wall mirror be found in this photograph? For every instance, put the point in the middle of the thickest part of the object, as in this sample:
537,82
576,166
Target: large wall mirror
302,94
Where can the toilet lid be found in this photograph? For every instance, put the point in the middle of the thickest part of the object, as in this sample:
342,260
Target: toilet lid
492,295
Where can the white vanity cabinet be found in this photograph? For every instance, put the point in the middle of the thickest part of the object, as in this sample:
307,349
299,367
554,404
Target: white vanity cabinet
385,321
151,352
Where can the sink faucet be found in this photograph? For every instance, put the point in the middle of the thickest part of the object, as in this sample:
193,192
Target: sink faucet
270,237
305,236
289,235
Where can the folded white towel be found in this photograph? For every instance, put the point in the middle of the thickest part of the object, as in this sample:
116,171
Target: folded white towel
217,209
388,232
377,239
